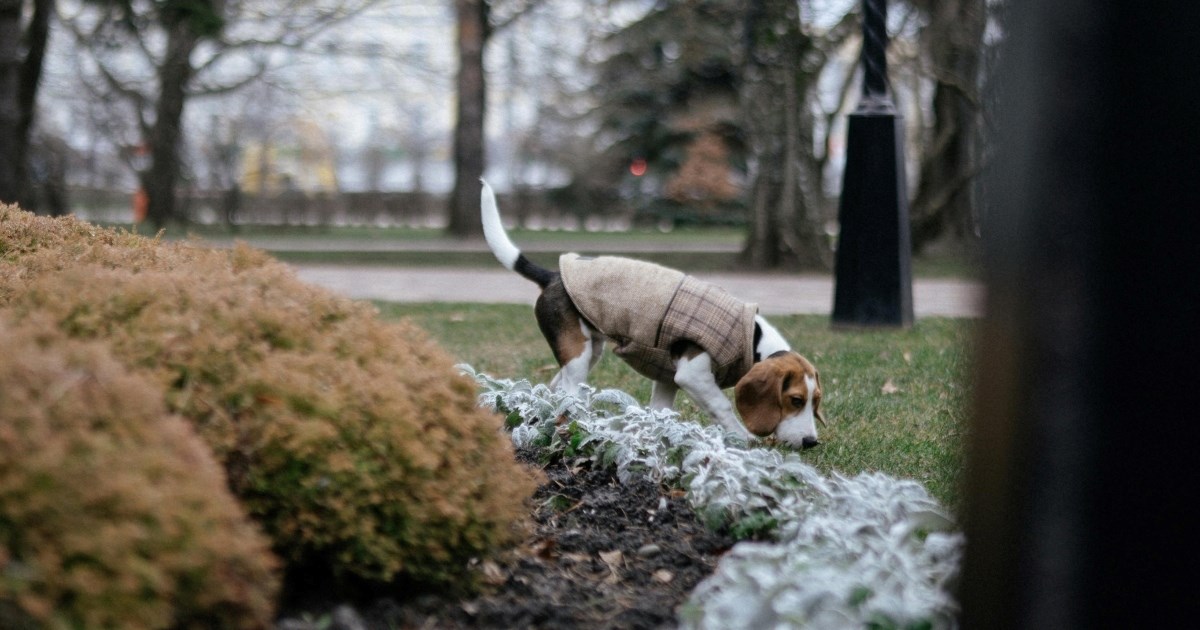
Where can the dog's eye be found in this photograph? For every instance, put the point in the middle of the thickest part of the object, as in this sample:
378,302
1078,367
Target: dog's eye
798,401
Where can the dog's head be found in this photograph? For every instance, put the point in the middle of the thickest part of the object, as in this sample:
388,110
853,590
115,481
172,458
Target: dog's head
782,395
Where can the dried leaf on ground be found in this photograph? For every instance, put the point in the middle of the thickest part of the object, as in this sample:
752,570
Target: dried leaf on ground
493,574
614,559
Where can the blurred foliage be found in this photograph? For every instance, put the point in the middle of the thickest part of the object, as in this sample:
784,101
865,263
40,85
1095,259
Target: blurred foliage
668,95
352,441
113,513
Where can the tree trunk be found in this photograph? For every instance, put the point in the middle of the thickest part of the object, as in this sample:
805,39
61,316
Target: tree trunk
785,222
11,157
166,134
469,142
943,205
19,80
36,37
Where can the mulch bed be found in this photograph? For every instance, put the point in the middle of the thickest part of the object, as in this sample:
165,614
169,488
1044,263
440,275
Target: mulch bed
601,555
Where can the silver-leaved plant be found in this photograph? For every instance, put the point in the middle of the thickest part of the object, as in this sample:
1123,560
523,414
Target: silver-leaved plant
868,550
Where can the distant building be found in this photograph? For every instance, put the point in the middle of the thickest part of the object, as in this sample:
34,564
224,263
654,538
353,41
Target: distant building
301,159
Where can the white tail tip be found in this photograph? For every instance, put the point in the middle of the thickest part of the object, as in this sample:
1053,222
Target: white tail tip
493,230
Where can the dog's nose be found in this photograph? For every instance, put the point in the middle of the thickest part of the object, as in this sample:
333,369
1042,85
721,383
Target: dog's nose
809,442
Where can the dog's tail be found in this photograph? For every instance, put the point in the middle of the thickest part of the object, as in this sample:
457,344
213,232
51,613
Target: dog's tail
502,246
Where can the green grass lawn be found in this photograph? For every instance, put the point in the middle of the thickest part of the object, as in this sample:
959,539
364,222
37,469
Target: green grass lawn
895,400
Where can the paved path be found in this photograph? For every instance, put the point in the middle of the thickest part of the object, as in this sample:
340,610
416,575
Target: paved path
716,245
775,294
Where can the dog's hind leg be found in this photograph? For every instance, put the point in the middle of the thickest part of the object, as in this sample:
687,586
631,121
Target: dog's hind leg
575,359
597,347
662,395
576,346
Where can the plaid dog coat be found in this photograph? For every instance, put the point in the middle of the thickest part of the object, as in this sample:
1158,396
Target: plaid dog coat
645,309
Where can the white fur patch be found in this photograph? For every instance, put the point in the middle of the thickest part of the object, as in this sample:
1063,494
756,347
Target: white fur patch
493,230
695,376
771,341
575,372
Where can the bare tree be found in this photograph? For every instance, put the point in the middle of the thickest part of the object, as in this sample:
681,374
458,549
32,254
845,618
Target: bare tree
782,61
474,31
22,51
154,57
10,114
476,25
953,44
417,143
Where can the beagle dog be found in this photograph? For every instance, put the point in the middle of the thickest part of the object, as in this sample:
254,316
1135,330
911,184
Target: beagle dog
680,332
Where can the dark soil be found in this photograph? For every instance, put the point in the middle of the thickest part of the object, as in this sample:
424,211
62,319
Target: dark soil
601,555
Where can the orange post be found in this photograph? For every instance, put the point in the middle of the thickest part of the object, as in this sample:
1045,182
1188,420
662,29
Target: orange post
141,203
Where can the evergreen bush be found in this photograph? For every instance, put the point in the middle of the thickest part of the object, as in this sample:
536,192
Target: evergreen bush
352,441
113,513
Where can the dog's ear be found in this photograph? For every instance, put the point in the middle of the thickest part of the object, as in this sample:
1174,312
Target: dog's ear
758,397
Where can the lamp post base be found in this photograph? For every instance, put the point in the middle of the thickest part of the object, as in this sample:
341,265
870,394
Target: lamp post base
873,273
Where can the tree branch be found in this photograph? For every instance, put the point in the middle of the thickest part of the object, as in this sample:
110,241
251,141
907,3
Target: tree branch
213,89
291,34
527,7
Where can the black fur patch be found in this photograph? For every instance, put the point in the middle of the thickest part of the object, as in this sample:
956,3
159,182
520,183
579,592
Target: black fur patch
531,270
555,315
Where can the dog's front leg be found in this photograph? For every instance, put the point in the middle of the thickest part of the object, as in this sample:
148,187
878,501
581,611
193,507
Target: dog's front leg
694,374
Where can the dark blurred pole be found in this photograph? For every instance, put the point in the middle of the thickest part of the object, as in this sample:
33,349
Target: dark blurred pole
874,58
874,256
1082,475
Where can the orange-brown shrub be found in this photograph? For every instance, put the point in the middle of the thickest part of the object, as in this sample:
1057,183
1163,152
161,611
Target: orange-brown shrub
353,441
114,514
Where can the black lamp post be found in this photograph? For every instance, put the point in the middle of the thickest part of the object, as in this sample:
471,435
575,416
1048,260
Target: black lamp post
873,273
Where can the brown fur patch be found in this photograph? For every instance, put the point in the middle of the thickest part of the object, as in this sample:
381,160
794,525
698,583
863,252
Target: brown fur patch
571,342
560,322
765,394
